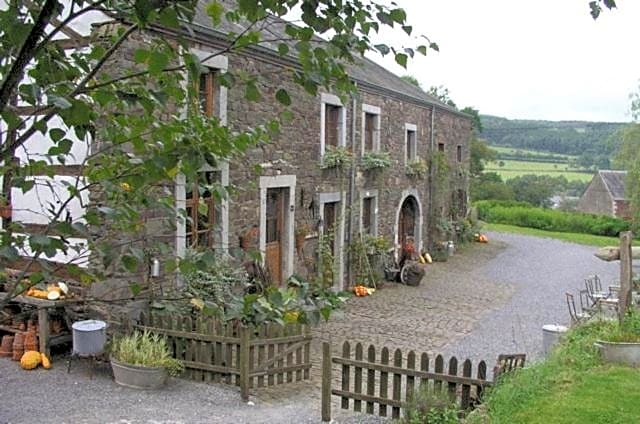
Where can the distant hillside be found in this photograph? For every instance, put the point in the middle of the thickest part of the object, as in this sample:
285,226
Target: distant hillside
592,142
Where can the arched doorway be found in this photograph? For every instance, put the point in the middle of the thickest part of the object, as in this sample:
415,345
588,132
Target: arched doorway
408,224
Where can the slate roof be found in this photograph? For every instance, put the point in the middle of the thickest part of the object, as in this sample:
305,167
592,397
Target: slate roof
614,181
368,72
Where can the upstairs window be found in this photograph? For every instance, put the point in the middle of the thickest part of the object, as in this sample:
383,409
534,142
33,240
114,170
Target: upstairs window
333,118
367,212
411,148
332,125
369,131
370,128
441,147
201,211
459,153
207,93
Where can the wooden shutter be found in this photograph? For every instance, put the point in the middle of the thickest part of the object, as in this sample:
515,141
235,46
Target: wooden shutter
369,131
331,125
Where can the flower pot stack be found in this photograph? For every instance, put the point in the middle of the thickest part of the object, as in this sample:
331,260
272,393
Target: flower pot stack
6,347
18,346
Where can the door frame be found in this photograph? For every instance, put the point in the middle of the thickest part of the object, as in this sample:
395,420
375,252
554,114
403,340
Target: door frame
412,192
287,248
339,246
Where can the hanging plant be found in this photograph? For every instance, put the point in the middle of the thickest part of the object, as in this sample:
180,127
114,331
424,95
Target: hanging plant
375,161
336,157
416,168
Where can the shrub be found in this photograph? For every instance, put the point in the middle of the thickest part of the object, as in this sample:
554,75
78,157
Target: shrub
429,407
524,215
416,168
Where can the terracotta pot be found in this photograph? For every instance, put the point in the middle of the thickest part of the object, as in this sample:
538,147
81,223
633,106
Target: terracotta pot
18,346
6,347
5,211
31,341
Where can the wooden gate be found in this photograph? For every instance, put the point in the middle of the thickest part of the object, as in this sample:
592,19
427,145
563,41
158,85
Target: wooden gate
227,352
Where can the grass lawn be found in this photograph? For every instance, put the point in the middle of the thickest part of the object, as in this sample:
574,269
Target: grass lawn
579,238
513,151
571,386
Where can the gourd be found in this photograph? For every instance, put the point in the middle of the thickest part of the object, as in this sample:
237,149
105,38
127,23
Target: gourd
53,295
46,363
30,360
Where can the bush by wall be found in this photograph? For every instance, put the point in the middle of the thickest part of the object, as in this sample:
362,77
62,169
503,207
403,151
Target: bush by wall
524,215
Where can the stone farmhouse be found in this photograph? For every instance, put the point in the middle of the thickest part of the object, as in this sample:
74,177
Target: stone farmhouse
605,195
294,191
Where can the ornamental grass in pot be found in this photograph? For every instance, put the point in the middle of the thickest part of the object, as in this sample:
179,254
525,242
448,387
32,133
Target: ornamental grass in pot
142,360
622,345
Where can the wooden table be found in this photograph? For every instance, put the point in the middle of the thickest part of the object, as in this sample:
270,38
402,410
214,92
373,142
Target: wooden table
43,306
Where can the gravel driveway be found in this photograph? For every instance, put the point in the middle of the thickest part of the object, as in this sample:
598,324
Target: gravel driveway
490,299
540,270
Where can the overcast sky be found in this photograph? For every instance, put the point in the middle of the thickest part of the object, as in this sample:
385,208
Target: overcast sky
529,59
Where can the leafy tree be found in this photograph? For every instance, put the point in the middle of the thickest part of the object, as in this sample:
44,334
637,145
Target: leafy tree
480,155
489,186
476,123
596,6
412,80
140,120
534,189
441,93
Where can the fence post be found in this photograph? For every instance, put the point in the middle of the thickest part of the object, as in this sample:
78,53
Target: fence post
626,274
244,363
326,382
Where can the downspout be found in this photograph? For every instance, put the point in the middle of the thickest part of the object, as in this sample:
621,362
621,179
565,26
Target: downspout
431,178
352,184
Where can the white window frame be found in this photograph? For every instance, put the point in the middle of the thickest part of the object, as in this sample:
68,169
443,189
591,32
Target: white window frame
370,194
372,110
331,99
410,127
220,63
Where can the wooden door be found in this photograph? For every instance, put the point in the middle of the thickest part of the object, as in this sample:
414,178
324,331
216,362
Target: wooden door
275,233
407,223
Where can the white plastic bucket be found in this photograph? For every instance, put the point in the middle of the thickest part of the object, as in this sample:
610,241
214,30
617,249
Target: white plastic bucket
551,334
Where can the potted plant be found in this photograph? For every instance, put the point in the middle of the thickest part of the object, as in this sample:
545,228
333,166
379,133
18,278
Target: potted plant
336,158
416,168
622,346
142,360
372,161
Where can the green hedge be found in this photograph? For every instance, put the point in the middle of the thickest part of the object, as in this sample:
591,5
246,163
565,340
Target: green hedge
524,215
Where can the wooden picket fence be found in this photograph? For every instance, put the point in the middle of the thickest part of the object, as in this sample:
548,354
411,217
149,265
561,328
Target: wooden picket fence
391,381
227,352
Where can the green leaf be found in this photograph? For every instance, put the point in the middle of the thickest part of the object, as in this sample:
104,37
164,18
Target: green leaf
251,92
135,288
382,48
401,59
422,50
283,97
215,11
57,134
283,49
130,263
59,102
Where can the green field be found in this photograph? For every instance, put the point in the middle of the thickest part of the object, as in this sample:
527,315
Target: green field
586,239
513,151
514,168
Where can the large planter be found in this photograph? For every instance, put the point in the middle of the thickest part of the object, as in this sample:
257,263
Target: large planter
139,377
620,353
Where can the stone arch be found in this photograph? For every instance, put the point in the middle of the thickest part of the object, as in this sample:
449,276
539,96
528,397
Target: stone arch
409,205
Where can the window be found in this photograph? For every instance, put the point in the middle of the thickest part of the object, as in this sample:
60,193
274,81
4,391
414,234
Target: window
201,211
367,212
332,125
459,153
332,122
441,147
370,128
369,131
411,148
206,93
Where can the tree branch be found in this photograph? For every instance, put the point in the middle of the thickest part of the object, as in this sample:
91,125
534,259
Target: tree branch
25,55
